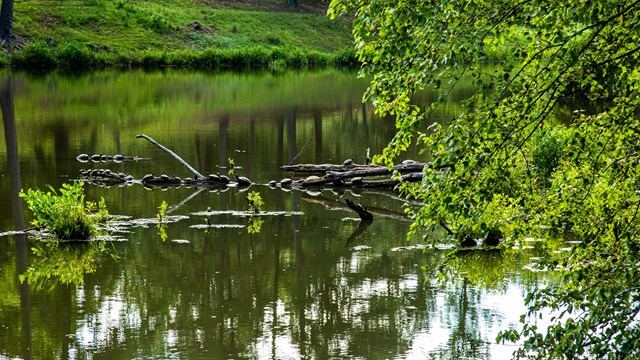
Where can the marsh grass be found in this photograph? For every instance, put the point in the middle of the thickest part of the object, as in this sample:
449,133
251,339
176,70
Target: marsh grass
65,212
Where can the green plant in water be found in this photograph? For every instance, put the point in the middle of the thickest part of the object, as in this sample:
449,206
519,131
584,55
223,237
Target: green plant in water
161,216
255,202
231,165
254,225
255,222
66,213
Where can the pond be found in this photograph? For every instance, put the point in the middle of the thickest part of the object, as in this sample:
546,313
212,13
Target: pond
307,285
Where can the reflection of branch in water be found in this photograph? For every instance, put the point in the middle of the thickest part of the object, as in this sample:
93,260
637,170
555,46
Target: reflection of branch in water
172,208
364,224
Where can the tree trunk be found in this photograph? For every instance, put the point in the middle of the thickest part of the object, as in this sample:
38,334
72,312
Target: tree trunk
6,20
293,3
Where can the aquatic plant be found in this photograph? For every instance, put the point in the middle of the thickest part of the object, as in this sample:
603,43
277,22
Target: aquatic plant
66,213
255,202
161,216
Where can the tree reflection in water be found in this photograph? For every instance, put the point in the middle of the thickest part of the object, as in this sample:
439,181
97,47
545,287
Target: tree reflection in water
62,263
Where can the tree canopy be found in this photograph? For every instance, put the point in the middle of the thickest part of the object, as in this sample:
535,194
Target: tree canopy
547,145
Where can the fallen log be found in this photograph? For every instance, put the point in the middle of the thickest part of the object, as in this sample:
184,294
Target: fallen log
107,177
357,179
348,166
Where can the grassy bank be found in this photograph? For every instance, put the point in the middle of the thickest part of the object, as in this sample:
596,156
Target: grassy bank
194,33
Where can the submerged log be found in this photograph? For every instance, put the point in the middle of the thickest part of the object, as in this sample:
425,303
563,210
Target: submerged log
361,210
332,204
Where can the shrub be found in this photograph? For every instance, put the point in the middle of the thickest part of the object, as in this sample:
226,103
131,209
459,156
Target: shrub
547,151
74,55
35,55
157,23
66,214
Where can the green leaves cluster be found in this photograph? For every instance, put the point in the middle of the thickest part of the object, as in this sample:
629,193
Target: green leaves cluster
65,213
254,225
161,216
506,163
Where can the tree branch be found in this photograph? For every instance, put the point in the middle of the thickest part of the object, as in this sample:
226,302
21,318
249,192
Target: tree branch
196,174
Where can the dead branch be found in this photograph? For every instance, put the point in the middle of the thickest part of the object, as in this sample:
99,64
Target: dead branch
361,210
196,174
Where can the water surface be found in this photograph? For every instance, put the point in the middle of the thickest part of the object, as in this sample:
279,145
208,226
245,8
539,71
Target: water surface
304,287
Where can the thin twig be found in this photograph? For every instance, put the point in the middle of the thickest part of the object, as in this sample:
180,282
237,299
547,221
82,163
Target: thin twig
304,147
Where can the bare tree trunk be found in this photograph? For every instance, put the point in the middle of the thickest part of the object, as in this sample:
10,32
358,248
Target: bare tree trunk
6,20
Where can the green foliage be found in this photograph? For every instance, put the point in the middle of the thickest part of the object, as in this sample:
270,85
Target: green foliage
255,202
230,166
161,217
74,56
547,151
180,33
35,55
502,162
66,213
254,224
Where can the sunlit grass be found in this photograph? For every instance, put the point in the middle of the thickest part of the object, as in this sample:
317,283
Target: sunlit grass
175,33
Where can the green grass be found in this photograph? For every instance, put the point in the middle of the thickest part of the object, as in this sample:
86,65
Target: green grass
98,33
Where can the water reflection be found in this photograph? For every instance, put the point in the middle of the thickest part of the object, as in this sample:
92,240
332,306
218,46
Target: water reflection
311,283
13,163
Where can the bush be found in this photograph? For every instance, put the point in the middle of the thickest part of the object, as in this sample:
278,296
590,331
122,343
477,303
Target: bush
74,55
66,214
547,151
36,55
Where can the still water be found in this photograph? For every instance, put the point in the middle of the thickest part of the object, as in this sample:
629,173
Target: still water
306,286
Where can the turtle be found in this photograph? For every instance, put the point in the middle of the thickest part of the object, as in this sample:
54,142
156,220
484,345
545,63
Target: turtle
243,181
286,182
83,157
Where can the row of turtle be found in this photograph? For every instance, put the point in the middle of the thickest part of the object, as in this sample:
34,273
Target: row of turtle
104,158
313,180
106,175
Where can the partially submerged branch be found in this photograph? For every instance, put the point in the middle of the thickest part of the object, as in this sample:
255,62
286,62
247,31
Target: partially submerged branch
361,210
196,174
